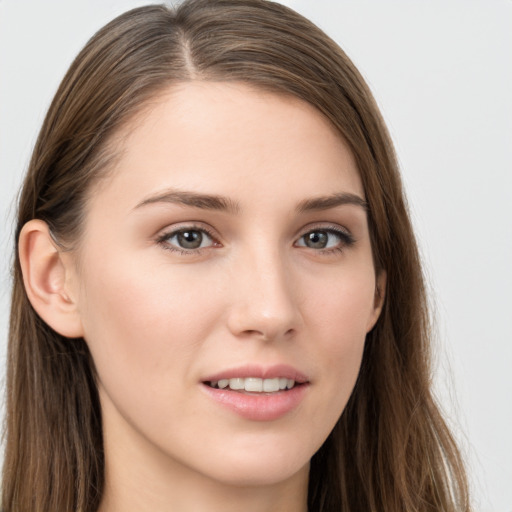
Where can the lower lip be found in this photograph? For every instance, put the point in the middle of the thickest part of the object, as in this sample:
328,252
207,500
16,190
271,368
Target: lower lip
259,406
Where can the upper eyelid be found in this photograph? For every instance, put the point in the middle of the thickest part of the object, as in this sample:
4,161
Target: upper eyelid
193,226
327,226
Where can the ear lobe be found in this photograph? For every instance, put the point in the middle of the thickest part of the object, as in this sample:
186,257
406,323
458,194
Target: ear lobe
378,301
46,279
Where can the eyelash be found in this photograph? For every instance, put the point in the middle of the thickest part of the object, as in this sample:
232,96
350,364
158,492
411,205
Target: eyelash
163,240
345,238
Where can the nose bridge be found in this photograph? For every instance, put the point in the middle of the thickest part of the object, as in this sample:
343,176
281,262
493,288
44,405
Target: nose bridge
264,302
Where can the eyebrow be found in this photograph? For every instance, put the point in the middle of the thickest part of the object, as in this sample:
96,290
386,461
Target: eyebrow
221,203
203,201
331,201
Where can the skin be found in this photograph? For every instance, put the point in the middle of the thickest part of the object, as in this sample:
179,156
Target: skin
158,319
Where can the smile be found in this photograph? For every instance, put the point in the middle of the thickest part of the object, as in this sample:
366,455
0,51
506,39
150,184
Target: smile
258,393
254,384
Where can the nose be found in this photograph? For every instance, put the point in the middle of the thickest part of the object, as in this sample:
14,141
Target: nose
265,302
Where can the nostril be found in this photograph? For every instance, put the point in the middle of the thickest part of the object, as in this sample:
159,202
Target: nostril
267,335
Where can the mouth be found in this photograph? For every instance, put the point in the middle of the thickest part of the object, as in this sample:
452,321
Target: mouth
254,384
258,393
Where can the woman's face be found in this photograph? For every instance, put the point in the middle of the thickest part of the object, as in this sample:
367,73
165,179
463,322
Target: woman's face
229,247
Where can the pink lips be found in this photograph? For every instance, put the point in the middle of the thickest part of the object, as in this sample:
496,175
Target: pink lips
259,406
270,372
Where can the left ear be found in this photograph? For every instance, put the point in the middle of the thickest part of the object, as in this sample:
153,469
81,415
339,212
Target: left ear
378,300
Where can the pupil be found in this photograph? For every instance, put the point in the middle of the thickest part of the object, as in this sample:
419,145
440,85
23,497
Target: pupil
316,240
190,239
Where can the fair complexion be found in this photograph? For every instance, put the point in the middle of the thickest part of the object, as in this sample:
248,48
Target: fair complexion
230,241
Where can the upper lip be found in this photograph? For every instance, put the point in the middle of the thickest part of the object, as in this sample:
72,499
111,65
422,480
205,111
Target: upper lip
262,372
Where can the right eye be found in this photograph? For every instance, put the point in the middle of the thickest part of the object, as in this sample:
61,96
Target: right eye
188,239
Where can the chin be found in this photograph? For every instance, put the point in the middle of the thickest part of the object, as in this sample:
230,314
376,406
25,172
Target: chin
261,476
260,468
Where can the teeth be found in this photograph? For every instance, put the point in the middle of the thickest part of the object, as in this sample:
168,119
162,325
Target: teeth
270,385
236,383
255,384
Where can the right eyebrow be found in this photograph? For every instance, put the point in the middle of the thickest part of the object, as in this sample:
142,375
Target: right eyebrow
194,199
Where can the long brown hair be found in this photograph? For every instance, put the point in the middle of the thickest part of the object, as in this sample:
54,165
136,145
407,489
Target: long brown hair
390,450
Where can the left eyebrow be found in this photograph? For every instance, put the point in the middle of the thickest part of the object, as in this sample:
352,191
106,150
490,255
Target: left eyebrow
331,201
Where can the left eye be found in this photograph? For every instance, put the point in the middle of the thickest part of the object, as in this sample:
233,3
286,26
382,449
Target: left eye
323,239
188,239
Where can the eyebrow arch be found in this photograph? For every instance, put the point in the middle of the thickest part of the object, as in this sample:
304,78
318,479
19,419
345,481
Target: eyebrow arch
331,201
194,199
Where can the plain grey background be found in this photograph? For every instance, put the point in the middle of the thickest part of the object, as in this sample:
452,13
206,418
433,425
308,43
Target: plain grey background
442,73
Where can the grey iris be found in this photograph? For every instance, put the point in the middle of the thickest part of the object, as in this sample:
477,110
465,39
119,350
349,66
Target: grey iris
316,239
190,239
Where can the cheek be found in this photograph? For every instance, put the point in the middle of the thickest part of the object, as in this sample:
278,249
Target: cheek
341,314
146,331
143,324
343,306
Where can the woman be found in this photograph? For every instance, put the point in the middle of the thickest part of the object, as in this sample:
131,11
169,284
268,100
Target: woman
218,302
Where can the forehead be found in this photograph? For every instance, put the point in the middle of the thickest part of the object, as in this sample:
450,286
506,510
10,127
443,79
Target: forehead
231,139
